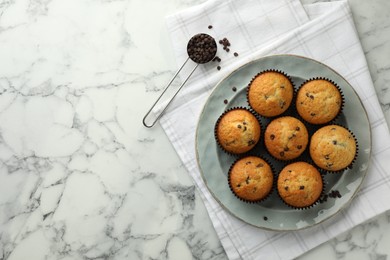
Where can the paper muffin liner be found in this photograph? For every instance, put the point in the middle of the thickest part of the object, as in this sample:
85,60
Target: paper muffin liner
218,121
288,161
341,105
318,201
349,166
265,71
273,181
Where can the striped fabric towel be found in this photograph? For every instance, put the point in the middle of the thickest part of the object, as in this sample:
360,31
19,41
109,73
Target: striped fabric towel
257,28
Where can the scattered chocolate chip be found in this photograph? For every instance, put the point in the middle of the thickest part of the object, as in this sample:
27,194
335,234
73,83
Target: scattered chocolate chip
225,101
297,128
244,123
239,126
286,188
301,187
285,149
219,68
210,27
247,180
272,137
281,154
265,218
282,86
312,114
234,89
311,97
227,49
238,185
248,162
307,94
235,54
333,128
299,147
259,165
334,142
245,128
289,171
326,157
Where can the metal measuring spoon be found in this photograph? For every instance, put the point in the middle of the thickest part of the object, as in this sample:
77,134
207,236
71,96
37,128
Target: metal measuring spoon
201,48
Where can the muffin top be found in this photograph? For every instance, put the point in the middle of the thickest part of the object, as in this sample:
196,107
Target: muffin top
318,101
237,131
270,93
251,178
333,148
286,138
299,184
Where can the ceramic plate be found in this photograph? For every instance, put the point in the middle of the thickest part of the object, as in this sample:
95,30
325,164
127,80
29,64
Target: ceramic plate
214,164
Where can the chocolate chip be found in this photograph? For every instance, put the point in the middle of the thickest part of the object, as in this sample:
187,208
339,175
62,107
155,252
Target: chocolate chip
307,94
326,157
286,188
299,147
334,142
247,180
251,142
312,114
297,128
245,128
239,126
247,163
225,101
265,218
238,185
210,27
234,89
259,165
289,171
272,137
285,149
311,97
301,187
281,154
219,68
235,54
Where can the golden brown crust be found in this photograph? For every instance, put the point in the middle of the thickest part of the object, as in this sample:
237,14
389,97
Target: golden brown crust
251,178
238,131
286,138
270,93
318,101
333,148
299,184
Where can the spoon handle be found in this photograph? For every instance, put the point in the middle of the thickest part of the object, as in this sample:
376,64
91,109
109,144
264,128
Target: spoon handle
145,119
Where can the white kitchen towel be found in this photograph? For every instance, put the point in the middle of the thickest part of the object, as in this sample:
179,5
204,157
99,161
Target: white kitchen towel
257,28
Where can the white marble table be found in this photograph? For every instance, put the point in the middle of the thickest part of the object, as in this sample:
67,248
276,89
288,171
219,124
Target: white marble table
80,177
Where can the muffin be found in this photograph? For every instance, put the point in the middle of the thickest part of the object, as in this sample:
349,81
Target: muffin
270,93
237,130
318,101
251,179
286,138
299,185
333,148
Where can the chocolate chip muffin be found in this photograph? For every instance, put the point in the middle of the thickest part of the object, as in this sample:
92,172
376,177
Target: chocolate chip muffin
270,93
299,185
333,148
318,101
286,138
251,179
237,131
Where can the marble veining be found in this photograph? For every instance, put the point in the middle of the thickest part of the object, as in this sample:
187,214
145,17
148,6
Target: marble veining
80,177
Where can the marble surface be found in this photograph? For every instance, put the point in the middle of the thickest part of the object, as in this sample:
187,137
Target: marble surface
80,177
